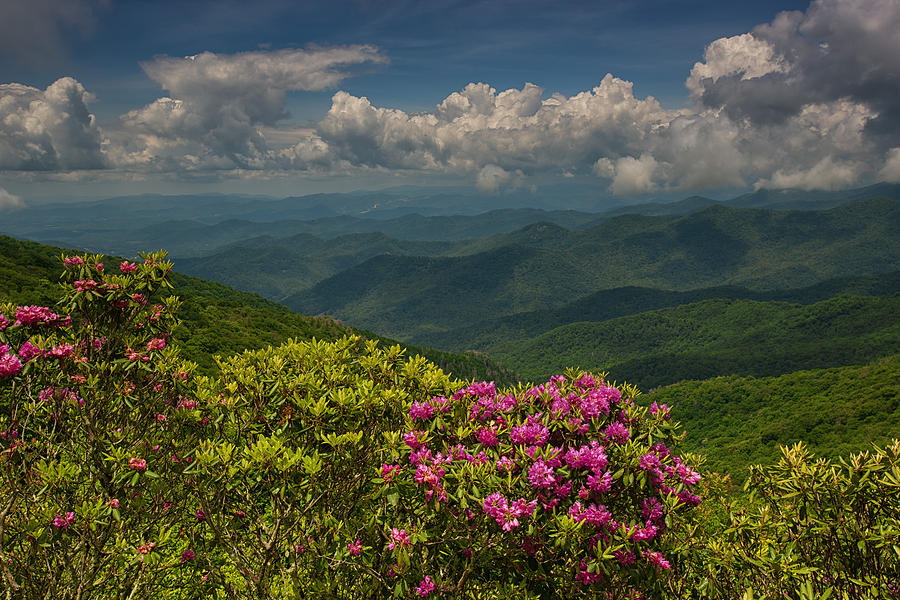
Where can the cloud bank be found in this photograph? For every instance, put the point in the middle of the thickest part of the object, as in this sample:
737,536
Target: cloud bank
807,101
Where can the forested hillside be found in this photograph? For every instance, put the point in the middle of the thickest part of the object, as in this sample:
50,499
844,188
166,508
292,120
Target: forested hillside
544,266
740,421
216,320
619,302
716,337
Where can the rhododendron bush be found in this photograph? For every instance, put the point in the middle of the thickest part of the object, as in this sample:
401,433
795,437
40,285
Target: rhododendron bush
91,496
285,471
310,470
348,470
567,489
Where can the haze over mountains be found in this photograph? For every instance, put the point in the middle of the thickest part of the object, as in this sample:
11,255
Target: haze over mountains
199,225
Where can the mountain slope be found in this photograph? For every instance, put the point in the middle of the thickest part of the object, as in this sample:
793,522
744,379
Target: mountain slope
715,337
216,320
402,295
624,301
738,421
544,266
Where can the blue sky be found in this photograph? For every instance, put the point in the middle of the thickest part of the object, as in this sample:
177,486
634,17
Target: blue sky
96,97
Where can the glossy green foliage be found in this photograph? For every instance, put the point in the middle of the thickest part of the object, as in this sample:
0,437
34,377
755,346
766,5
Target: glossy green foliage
91,502
285,469
810,529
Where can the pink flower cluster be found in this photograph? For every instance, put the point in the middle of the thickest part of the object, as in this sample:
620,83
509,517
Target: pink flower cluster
389,471
556,447
426,409
9,362
35,316
61,522
425,587
507,514
400,538
156,344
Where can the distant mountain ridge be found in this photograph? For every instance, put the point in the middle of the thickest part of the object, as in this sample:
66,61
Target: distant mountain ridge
544,267
128,224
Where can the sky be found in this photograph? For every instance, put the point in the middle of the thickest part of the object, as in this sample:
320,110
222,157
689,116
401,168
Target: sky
637,98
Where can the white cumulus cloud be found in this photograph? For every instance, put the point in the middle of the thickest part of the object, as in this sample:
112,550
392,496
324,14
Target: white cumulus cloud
219,103
634,175
49,129
836,50
514,129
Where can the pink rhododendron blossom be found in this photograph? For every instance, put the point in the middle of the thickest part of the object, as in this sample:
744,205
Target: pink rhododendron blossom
61,522
617,433
660,410
146,548
506,513
71,261
9,365
200,516
586,577
389,471
506,464
35,316
421,411
600,483
4,322
646,534
540,475
536,434
127,267
61,351
399,537
113,502
440,404
29,351
657,559
487,436
138,464
85,285
425,587
589,456
354,547
430,476
594,514
156,344
414,439
187,556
